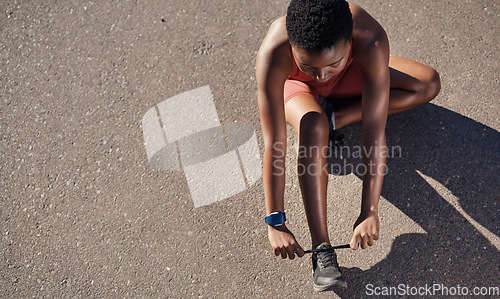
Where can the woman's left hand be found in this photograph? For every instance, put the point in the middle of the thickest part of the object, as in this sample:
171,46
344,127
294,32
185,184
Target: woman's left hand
366,230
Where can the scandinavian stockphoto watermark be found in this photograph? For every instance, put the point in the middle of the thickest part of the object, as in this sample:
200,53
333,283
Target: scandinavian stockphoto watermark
435,289
342,159
219,160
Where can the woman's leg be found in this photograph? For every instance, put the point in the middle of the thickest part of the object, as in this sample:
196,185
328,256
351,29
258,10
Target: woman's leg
305,114
412,84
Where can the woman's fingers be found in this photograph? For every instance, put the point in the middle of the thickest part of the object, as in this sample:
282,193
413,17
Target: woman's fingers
356,239
299,250
289,251
369,240
362,241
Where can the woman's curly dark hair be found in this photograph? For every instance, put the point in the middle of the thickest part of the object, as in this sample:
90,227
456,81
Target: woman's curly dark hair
318,24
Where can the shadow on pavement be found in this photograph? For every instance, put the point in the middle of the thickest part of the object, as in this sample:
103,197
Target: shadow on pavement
462,157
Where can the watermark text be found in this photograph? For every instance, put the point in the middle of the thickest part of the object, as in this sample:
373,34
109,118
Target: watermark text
435,289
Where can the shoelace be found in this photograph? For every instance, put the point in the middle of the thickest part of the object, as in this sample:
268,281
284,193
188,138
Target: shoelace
324,249
327,258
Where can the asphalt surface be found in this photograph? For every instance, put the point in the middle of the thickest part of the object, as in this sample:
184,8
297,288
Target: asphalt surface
84,214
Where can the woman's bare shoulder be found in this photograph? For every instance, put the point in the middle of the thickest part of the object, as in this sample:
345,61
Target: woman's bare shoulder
275,49
276,37
367,32
365,26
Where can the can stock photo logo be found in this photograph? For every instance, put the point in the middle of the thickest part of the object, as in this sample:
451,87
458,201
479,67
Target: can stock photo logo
218,160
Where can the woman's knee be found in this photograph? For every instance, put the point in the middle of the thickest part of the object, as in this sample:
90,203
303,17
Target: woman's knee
314,128
428,89
419,79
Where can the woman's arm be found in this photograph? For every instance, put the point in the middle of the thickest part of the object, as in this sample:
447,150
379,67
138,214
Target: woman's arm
271,78
371,51
273,66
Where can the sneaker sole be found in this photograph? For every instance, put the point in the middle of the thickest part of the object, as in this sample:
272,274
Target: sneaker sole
336,285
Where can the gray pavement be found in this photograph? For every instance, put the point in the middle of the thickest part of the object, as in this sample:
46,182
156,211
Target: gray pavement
83,213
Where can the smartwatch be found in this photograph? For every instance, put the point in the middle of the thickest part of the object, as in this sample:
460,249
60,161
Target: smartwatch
275,219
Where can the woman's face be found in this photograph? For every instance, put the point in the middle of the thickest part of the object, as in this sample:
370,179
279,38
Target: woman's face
323,65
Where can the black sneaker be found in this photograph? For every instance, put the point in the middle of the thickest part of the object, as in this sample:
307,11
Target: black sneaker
326,271
336,138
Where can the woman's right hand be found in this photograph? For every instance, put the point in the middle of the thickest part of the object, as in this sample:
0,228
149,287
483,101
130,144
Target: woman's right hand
283,242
